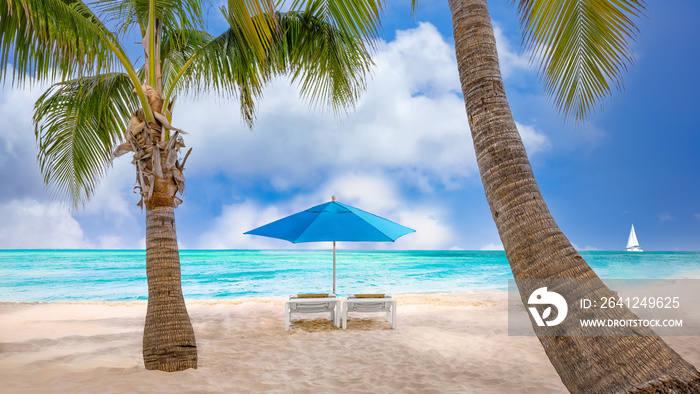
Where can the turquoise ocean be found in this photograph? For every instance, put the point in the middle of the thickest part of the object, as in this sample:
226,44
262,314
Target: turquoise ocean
120,275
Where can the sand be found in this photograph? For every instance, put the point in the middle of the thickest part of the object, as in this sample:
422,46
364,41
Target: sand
455,343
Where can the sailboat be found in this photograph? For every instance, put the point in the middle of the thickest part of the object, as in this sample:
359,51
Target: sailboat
632,243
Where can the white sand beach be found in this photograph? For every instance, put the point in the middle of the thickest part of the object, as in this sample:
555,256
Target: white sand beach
449,343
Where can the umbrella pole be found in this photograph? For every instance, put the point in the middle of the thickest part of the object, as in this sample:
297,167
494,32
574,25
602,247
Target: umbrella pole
333,267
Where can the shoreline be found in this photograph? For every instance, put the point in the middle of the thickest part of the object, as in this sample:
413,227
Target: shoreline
412,297
444,343
98,275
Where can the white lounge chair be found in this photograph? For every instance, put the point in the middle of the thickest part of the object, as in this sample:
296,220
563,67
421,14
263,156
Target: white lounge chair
312,303
370,303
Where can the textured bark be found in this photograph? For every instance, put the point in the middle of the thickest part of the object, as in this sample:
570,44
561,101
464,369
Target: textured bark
159,171
535,246
168,338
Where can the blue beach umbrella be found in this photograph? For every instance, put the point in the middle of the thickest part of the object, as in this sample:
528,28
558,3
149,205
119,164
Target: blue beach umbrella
333,222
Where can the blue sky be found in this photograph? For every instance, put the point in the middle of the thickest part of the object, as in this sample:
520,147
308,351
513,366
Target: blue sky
405,153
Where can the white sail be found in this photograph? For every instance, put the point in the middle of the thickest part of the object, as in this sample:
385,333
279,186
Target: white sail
632,242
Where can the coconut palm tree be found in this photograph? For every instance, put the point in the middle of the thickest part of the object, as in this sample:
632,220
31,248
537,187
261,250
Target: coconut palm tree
103,104
583,49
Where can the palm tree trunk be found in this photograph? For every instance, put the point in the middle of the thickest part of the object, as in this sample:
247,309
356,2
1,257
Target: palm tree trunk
168,338
535,246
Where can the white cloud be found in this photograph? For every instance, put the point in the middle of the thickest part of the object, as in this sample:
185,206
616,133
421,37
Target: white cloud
534,142
28,224
492,246
228,228
665,217
24,194
19,173
409,129
378,195
431,232
508,58
370,193
114,200
411,122
111,242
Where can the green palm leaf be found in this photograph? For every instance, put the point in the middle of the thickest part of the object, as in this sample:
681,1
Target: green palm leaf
80,121
582,47
251,26
351,18
183,42
78,124
50,39
173,14
225,65
255,28
329,64
176,48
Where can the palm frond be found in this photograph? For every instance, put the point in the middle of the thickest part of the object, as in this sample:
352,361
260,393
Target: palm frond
50,39
78,124
330,66
251,20
177,48
121,14
351,18
583,47
225,65
183,42
252,27
128,14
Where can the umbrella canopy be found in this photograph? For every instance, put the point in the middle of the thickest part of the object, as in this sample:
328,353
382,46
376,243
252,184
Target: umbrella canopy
331,222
